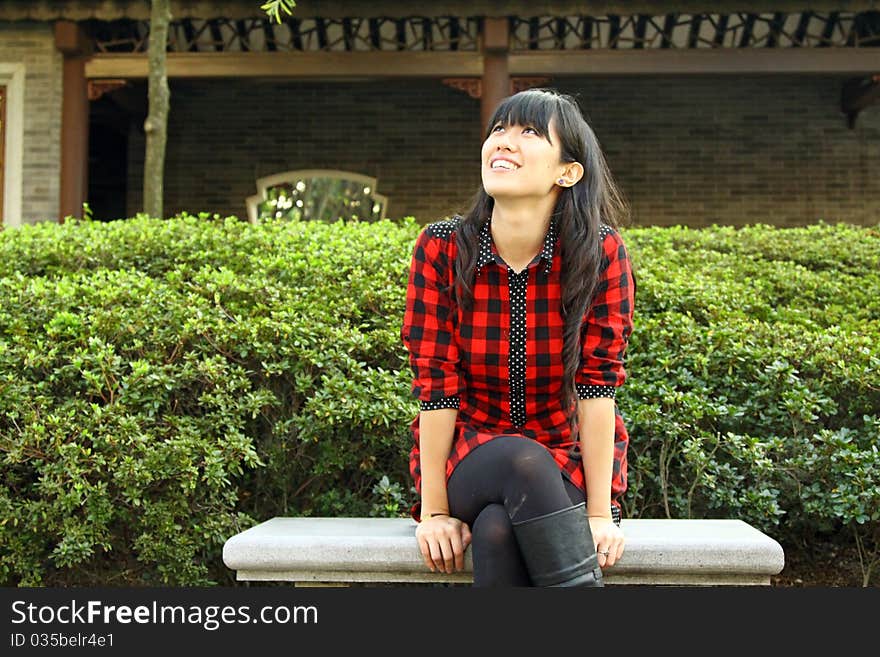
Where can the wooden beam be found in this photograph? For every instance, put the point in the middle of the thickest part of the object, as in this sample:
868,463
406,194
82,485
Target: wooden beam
75,46
293,65
496,73
495,85
496,35
74,138
70,39
695,62
353,65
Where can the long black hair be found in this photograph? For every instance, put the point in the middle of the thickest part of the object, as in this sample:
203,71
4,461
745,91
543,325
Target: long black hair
579,212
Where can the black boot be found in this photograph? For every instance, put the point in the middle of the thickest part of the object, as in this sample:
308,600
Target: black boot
558,548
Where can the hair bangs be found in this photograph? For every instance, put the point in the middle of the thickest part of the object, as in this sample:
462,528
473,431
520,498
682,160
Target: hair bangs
533,108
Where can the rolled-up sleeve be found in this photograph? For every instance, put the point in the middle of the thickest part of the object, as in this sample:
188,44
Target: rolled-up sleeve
608,324
428,331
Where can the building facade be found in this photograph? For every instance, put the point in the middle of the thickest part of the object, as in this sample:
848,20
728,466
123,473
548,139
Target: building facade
708,112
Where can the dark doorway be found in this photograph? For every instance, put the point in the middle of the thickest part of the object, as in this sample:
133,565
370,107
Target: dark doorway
108,160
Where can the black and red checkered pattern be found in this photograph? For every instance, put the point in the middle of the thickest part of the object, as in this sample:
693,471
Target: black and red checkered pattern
500,362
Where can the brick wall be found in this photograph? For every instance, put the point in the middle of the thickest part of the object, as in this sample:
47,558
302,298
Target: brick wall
33,45
775,149
689,150
420,139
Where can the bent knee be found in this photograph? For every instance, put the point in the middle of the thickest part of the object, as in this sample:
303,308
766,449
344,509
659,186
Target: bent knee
531,462
493,527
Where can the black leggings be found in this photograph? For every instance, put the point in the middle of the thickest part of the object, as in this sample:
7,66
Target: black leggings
508,479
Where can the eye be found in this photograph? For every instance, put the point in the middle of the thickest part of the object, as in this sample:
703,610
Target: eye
497,125
530,128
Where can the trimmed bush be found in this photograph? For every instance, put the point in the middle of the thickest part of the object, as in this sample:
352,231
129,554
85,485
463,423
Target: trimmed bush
754,380
168,383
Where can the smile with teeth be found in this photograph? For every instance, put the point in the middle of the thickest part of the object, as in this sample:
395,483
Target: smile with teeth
504,164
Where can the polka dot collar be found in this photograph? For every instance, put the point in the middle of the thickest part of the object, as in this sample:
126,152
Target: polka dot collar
487,255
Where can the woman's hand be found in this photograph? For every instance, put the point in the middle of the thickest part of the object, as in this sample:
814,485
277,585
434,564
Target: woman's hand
442,541
608,539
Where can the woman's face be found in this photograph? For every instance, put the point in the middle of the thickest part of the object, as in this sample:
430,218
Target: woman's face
517,162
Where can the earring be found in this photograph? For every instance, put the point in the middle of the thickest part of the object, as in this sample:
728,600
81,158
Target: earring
561,180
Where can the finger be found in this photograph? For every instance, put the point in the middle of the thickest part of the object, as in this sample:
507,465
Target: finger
465,536
457,552
602,553
448,555
614,552
426,554
437,555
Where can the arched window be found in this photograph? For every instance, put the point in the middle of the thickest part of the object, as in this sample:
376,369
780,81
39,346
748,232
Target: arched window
317,195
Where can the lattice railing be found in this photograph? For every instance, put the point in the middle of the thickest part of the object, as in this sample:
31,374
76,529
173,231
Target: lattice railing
736,30
318,34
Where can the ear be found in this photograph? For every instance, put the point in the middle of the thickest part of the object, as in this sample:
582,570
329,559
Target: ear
572,173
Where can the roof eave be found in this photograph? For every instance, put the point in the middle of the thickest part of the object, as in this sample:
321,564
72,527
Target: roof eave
77,10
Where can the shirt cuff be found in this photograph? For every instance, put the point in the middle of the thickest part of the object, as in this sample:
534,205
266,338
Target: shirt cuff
445,402
592,391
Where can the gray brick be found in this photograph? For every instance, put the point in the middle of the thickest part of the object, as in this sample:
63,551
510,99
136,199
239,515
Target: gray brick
33,45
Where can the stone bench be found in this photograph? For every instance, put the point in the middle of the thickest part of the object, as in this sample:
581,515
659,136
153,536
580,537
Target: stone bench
333,551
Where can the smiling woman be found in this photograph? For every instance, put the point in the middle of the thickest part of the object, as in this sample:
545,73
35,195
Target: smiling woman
506,150
517,319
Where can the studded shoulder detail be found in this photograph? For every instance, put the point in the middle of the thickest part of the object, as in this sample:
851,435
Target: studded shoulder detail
444,229
605,230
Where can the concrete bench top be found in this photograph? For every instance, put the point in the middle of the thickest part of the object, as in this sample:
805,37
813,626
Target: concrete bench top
325,550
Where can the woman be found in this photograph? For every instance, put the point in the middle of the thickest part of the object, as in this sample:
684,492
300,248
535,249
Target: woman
517,319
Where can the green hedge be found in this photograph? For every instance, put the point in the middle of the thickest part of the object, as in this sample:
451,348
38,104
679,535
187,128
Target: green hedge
754,387
166,384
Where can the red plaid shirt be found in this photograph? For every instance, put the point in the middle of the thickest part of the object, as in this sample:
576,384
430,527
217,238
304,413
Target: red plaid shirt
500,363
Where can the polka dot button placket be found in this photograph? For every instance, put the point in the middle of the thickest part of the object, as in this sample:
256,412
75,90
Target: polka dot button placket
518,285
